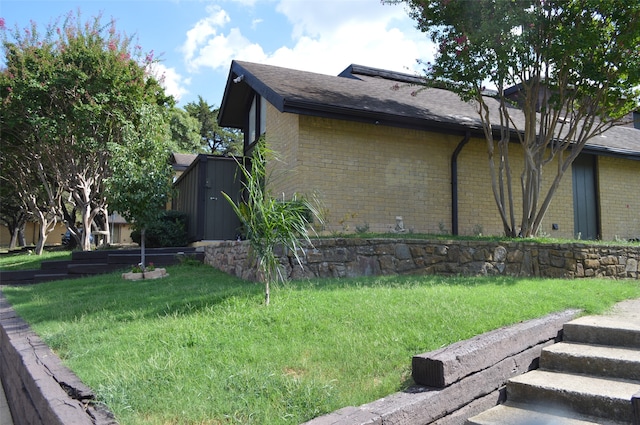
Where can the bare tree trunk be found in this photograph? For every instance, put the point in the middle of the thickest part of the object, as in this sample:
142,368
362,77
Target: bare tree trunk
22,240
46,227
267,293
106,227
14,238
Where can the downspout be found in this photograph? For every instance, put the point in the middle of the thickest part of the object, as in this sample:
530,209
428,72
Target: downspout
454,183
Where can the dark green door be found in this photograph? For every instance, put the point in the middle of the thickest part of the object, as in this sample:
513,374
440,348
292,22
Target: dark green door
585,200
221,223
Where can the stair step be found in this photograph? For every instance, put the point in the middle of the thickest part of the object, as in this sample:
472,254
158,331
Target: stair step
603,330
517,414
597,360
55,265
89,268
582,394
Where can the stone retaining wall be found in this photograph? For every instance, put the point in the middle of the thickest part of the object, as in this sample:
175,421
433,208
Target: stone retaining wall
368,257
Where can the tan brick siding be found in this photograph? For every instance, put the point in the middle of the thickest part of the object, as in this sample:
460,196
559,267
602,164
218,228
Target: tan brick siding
368,174
619,186
476,202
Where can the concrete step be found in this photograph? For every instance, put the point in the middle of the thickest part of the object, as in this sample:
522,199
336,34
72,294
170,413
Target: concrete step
17,277
49,266
517,414
595,360
89,268
581,394
603,330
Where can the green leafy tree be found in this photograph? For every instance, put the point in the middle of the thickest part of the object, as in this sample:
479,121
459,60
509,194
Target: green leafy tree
576,64
214,139
185,132
67,94
140,183
269,223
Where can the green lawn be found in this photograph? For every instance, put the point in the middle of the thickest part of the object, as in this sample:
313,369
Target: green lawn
200,347
21,261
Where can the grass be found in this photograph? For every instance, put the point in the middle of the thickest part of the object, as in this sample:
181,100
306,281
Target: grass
200,347
22,261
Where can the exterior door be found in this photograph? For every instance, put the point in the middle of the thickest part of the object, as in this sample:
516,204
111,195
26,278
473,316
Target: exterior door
585,198
221,223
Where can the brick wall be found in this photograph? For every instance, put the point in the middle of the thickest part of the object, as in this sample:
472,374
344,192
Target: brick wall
619,185
367,175
477,206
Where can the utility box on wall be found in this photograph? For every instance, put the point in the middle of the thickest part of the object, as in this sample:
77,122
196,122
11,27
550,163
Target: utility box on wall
199,195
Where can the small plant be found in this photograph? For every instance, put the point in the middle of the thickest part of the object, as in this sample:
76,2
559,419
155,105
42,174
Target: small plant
345,219
267,221
477,230
150,267
137,268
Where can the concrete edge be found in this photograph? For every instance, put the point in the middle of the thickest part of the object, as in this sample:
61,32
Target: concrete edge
448,365
38,387
480,388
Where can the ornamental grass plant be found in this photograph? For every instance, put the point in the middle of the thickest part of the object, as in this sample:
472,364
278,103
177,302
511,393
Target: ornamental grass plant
201,347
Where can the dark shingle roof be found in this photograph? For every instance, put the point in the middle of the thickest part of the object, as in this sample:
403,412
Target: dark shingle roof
377,96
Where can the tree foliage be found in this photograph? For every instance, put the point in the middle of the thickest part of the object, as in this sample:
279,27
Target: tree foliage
185,132
576,64
68,94
139,186
213,138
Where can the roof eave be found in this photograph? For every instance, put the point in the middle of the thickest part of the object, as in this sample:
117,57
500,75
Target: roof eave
376,117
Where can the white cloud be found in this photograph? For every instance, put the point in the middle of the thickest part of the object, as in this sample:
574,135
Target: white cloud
326,37
220,50
172,82
202,31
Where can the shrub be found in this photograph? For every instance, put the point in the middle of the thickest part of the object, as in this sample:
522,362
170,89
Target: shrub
169,230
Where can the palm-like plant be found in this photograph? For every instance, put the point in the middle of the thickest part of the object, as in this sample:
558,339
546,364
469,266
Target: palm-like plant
269,222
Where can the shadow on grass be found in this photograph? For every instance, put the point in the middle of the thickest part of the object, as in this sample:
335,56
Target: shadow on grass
187,290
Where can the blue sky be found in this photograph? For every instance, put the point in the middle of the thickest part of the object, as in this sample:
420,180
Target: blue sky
197,39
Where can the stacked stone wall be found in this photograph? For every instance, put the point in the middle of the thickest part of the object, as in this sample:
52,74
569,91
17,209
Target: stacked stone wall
369,257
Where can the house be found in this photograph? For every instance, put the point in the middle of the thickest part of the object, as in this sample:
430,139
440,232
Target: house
377,156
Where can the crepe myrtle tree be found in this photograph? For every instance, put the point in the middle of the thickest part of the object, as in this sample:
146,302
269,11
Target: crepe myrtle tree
67,91
268,222
140,183
576,64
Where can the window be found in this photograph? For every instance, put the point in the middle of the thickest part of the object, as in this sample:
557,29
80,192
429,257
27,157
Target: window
257,119
636,120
